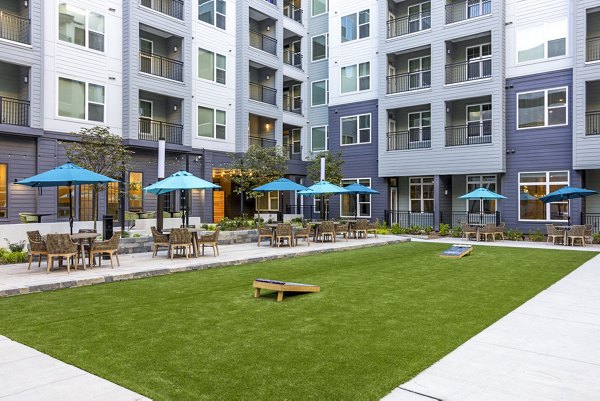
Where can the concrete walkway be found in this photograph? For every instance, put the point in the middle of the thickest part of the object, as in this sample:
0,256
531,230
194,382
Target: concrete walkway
29,375
16,279
548,349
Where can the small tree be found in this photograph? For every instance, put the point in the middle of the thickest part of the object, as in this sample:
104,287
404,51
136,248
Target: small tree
257,167
333,167
98,150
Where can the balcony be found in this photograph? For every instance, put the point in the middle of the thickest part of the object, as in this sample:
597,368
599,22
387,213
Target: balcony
469,59
153,130
592,107
292,142
592,36
470,134
466,9
262,31
292,104
262,142
14,28
292,10
161,66
592,49
172,8
14,111
263,42
409,81
592,123
290,57
411,139
262,93
409,24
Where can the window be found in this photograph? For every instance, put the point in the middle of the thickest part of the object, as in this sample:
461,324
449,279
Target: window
317,204
112,200
356,205
532,186
212,12
320,93
542,42
86,196
269,201
543,108
62,201
3,190
135,195
320,47
419,126
211,123
72,23
419,17
479,61
354,25
356,129
211,66
421,194
419,72
481,181
353,82
318,139
72,100
479,120
319,7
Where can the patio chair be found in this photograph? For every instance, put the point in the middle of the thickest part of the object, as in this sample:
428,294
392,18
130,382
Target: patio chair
500,230
37,247
130,218
283,232
211,240
360,228
576,233
488,231
28,218
372,228
264,232
158,240
326,229
468,231
304,232
554,234
61,245
343,230
108,247
589,232
180,238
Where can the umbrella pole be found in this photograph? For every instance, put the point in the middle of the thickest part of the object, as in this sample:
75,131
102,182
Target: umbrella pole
71,208
480,210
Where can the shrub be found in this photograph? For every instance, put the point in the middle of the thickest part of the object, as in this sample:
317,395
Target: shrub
396,229
15,246
596,238
13,257
125,234
297,220
456,232
137,235
444,230
428,230
514,234
414,229
536,236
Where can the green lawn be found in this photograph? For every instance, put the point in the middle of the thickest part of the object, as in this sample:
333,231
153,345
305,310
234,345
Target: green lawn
383,315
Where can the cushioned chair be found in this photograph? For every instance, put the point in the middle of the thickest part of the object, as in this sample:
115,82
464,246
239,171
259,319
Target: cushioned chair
109,247
37,247
159,240
28,218
211,240
180,238
61,245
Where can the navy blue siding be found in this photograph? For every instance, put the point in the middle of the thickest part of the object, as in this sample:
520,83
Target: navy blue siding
537,149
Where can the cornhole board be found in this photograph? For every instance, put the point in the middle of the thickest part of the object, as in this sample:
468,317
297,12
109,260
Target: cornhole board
457,251
281,287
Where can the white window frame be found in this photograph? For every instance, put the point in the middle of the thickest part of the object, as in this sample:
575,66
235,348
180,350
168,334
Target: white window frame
544,27
214,13
420,127
357,116
421,199
215,68
326,138
86,13
357,77
86,100
358,25
481,183
566,106
548,184
312,8
215,124
421,17
271,196
348,181
312,56
312,91
481,119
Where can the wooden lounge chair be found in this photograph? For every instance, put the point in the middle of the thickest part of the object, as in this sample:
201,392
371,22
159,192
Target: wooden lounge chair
61,245
211,240
303,232
159,240
37,247
109,247
488,231
343,230
360,228
264,232
326,229
554,234
468,231
576,233
180,238
283,232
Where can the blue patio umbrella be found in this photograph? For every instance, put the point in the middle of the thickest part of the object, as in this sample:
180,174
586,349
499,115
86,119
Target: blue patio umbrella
67,175
358,189
567,193
482,194
181,180
323,188
281,184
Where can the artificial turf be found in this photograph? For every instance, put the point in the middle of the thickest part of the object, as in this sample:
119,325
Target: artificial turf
383,315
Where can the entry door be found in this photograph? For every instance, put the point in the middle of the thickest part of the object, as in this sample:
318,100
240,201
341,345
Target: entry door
146,118
393,205
218,206
296,93
419,72
147,49
392,85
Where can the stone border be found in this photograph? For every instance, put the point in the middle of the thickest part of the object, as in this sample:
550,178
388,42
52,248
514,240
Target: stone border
164,271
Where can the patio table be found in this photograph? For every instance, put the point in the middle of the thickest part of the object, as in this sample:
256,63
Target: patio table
566,229
194,232
80,238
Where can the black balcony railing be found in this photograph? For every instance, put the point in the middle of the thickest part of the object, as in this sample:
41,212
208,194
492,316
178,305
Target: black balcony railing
15,28
263,93
172,8
152,130
14,111
292,58
471,134
263,42
592,49
592,123
293,152
262,142
154,64
411,139
409,219
292,104
408,24
468,9
290,11
468,71
409,81
593,219
455,219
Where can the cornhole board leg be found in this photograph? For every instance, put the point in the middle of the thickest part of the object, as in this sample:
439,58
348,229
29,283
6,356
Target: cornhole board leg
282,287
256,292
279,296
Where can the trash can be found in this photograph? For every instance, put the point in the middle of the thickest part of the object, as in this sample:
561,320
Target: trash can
108,226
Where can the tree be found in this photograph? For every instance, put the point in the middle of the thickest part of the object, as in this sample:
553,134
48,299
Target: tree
256,167
98,150
333,167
